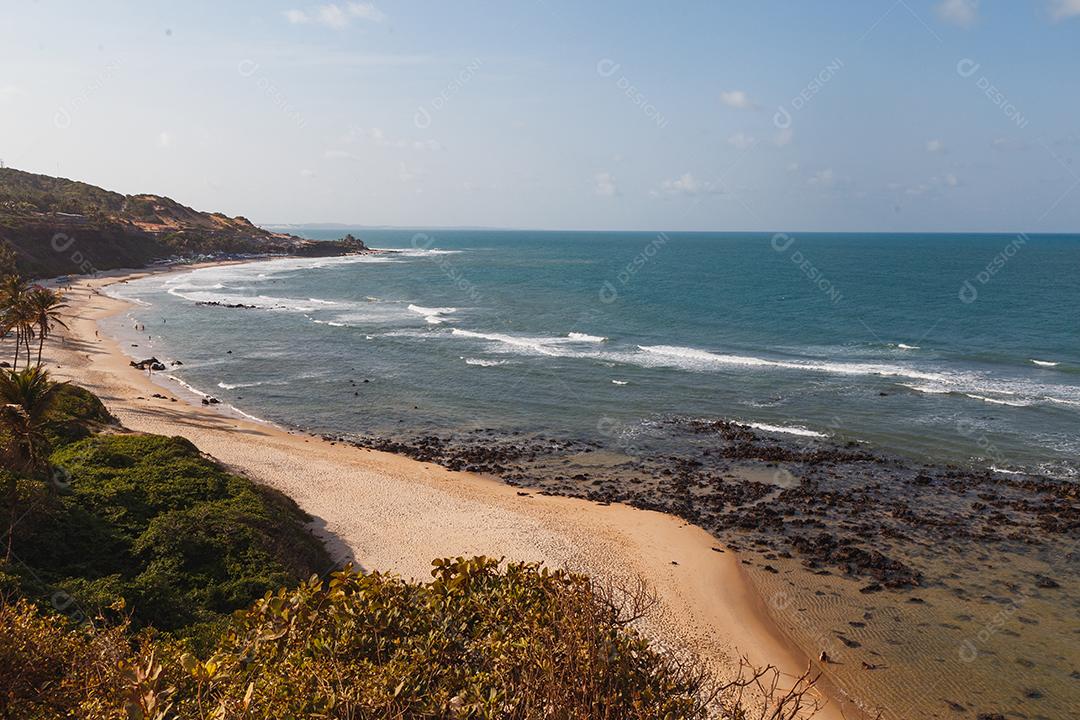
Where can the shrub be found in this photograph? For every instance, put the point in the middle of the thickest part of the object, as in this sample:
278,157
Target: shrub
150,520
478,641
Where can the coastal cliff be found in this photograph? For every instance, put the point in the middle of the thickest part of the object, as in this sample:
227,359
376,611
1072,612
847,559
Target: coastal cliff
58,226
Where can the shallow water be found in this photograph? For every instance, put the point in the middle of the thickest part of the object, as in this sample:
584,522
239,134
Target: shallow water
866,337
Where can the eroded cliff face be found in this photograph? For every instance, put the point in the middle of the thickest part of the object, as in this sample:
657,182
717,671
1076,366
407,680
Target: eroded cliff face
58,226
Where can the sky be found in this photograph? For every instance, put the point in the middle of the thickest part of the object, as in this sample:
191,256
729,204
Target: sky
851,115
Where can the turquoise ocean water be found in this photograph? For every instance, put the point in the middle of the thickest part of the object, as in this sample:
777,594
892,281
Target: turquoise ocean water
953,348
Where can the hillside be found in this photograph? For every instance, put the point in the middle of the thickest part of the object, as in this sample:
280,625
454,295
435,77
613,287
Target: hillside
59,226
142,580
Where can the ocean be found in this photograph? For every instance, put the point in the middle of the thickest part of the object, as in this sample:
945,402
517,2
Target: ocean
899,390
948,348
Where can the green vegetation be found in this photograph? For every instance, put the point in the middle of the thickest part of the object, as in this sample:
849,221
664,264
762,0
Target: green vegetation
479,641
146,582
102,516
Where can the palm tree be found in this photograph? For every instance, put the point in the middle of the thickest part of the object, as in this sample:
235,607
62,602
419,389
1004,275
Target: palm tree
14,313
45,306
25,399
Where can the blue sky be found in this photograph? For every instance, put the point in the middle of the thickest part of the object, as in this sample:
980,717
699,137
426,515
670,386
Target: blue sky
889,115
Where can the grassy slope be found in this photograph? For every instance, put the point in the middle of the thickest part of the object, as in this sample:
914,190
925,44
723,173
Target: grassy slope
151,520
182,541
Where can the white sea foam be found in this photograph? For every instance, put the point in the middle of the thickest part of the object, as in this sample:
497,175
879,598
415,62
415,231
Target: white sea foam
234,386
433,315
998,401
620,382
249,416
265,302
420,252
533,345
790,430
583,337
1044,363
694,359
187,387
903,346
1006,472
928,389
481,362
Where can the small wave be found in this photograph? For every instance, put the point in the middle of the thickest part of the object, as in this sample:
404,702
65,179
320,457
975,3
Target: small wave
249,416
902,346
620,382
265,302
583,337
792,430
481,362
331,323
234,386
541,346
317,301
1044,363
187,387
421,252
694,359
1061,401
434,316
928,389
1006,472
996,401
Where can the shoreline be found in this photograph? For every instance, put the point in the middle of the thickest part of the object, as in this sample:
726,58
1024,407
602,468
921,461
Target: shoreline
392,513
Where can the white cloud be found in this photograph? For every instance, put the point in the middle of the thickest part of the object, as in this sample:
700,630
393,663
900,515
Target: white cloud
742,141
604,185
737,99
1064,9
959,12
305,173
341,155
380,138
952,181
432,145
336,16
332,16
1005,144
366,11
822,178
407,174
8,92
935,146
784,137
165,139
686,185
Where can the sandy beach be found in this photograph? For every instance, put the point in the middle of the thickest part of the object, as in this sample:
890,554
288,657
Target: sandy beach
390,513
